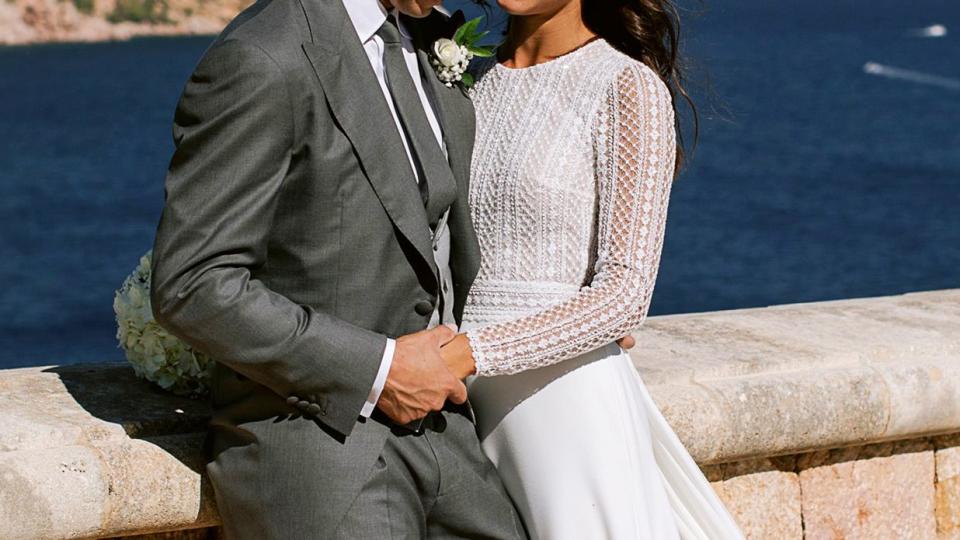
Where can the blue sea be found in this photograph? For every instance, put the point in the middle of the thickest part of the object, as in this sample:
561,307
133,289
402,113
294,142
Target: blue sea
812,179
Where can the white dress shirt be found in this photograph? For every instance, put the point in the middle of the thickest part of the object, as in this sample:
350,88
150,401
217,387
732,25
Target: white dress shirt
367,17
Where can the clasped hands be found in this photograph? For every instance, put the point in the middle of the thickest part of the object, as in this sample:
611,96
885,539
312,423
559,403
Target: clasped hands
429,368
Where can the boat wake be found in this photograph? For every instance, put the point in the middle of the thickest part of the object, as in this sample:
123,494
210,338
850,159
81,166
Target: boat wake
873,68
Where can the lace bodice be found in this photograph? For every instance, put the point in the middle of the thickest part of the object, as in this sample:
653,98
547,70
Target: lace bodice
570,182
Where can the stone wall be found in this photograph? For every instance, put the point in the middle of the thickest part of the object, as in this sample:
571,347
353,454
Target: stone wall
823,420
896,490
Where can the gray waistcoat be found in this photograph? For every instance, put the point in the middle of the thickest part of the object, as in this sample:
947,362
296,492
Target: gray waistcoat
441,254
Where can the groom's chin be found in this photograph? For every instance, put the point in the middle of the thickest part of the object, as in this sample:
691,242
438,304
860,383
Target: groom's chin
416,8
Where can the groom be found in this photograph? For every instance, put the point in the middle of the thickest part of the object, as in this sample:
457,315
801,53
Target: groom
315,241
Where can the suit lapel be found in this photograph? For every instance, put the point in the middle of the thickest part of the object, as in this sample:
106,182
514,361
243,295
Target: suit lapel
458,122
456,118
358,104
454,110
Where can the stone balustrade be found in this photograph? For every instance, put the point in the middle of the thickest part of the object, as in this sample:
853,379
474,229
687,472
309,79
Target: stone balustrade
823,420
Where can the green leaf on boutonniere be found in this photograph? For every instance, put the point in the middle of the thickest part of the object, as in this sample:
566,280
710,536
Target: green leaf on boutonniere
482,52
468,35
468,29
477,37
462,31
467,80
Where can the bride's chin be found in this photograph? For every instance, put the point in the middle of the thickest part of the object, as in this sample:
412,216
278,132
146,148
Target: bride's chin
527,8
517,7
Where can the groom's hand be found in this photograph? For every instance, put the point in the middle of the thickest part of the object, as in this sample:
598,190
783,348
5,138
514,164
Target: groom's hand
419,381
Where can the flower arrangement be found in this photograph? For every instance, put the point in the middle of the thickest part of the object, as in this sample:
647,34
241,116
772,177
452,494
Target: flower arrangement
155,354
451,57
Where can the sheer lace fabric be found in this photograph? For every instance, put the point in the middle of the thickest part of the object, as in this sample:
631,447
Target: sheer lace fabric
571,178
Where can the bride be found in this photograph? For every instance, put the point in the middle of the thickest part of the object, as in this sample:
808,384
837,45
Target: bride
572,169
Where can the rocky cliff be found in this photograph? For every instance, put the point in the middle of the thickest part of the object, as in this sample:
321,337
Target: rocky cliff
40,21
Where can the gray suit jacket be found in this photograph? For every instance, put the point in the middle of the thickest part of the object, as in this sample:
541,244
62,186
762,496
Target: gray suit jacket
292,243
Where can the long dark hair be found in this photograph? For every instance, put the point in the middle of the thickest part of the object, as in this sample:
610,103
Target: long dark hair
648,31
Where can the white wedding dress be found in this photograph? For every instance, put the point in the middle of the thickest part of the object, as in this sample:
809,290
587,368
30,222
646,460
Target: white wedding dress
571,177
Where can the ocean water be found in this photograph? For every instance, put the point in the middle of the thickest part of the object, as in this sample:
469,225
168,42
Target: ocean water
812,179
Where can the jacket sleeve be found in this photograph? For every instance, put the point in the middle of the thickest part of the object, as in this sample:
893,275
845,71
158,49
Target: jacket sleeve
233,132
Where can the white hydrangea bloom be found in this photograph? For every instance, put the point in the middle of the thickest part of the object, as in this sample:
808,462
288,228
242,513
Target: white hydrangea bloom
155,354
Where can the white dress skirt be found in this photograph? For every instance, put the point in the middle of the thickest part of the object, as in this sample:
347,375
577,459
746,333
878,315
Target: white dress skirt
585,454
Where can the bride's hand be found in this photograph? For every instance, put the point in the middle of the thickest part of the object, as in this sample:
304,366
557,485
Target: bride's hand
458,356
626,342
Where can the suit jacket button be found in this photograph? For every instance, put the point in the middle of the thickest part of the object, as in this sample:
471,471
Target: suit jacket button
314,409
424,308
292,400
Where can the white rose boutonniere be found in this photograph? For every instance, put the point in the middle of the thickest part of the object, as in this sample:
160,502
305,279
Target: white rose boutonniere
451,56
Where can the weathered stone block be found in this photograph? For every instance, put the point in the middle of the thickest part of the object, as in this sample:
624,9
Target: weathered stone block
51,493
763,496
947,458
150,488
210,533
766,505
877,492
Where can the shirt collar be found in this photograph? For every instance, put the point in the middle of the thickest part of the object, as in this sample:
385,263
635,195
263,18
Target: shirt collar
368,16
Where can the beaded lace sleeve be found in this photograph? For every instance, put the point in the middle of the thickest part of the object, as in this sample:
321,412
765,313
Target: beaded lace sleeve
634,146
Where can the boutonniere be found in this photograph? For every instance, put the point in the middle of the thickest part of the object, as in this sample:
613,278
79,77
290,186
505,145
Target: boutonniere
451,57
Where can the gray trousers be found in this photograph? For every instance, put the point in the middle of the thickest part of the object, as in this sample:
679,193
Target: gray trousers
435,484
438,483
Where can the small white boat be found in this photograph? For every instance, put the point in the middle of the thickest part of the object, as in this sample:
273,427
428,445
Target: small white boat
932,31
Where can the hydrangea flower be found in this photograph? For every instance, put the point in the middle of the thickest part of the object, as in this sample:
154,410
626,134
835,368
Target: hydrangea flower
155,354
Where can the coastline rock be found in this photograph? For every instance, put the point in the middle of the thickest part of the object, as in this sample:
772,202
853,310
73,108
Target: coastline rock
25,22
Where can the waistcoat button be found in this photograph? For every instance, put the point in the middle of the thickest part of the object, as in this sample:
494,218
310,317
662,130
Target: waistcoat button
424,308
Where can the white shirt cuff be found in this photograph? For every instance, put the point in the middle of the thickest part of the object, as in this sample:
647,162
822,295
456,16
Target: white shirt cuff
381,379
